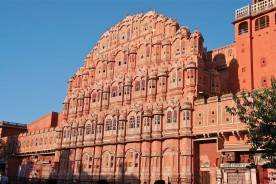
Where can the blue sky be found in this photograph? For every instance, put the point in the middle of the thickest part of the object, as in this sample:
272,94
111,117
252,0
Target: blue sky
43,42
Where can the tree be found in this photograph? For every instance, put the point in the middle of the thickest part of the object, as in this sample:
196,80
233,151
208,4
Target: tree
257,109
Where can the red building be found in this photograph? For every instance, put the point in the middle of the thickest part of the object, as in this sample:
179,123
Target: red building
149,104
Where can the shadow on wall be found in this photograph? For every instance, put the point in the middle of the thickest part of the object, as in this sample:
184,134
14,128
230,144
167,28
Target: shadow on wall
234,79
228,73
63,172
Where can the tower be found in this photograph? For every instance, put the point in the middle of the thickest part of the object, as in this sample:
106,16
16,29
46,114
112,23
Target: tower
255,42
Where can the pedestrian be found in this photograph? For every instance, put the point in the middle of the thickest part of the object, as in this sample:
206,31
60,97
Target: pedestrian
3,178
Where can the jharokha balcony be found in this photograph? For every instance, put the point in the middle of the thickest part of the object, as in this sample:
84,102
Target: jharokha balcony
254,9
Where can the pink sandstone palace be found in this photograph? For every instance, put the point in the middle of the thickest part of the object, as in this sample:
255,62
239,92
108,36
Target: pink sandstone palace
149,104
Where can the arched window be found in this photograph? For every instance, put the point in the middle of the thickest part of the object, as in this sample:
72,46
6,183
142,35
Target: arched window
157,119
132,159
243,28
169,117
262,22
137,86
108,125
114,92
186,115
88,129
132,122
147,121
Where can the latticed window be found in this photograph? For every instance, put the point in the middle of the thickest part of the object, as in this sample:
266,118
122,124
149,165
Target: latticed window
114,92
88,129
262,22
152,84
108,125
169,117
157,119
137,86
132,122
243,28
80,130
186,115
147,121
94,98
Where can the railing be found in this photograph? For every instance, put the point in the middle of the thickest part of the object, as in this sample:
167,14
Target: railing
242,12
254,9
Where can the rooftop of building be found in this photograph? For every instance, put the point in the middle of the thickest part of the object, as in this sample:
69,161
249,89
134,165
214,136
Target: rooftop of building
254,9
12,124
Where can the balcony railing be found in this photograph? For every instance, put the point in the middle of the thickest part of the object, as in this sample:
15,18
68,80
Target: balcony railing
254,9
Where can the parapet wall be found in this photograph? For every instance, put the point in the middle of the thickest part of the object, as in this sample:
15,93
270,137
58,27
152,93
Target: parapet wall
47,121
210,116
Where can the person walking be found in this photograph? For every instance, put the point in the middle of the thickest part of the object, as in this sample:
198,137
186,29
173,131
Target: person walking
3,178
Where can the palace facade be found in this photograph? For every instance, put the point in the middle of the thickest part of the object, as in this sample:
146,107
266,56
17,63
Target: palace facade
149,103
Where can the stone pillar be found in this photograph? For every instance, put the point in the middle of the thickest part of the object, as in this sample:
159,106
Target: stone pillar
155,161
105,97
186,160
55,169
86,102
119,165
73,107
97,162
71,164
77,163
219,177
152,86
145,162
132,58
162,85
190,80
66,108
127,92
186,152
80,105
253,176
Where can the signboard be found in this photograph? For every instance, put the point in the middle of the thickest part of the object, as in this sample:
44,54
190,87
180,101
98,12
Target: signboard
234,165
